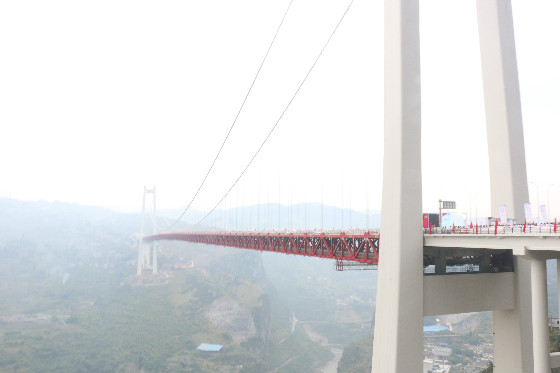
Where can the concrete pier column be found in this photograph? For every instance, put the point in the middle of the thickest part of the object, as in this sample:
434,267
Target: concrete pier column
440,263
513,332
484,265
541,345
146,255
154,258
140,259
398,338
558,283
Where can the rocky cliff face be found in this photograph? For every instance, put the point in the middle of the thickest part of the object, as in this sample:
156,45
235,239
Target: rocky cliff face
259,343
228,314
244,312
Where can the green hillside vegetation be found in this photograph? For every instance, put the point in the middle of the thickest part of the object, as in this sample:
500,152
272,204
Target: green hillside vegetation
357,357
293,353
156,328
105,319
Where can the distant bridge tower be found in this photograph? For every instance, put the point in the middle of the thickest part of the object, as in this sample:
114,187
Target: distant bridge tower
144,249
404,295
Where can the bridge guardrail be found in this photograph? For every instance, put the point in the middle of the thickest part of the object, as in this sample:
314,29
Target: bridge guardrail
517,229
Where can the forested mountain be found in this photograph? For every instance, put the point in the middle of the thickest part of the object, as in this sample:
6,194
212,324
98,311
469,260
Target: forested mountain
71,301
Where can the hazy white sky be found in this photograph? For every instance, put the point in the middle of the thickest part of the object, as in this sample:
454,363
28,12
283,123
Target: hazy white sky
98,99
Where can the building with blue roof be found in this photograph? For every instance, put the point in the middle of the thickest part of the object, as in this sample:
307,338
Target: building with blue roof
206,347
430,329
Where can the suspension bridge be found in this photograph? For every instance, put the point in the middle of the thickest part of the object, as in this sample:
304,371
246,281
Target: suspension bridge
363,246
511,282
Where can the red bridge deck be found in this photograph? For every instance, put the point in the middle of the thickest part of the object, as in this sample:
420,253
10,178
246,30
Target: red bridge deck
363,247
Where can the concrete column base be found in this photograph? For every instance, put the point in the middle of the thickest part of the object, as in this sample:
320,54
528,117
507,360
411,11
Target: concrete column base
513,332
541,345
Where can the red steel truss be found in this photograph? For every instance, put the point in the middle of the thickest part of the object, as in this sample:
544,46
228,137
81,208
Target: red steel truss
362,248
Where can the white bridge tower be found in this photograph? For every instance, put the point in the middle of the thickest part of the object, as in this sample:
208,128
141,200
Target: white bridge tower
143,248
517,299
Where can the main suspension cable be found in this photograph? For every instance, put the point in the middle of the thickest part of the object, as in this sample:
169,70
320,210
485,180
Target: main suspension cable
237,116
281,115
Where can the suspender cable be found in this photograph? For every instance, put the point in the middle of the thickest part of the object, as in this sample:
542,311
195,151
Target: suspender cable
237,116
283,112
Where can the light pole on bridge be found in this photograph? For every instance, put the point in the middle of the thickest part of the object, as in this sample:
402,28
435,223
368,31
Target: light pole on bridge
538,202
548,201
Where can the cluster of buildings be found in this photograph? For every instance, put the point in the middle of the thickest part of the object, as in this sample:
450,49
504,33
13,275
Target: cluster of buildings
25,317
436,358
61,319
436,366
482,357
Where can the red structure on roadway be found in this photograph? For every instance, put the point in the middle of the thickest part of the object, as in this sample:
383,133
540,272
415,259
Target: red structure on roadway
362,248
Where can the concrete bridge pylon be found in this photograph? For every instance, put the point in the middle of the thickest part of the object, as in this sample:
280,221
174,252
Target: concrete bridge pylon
143,247
404,295
398,339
